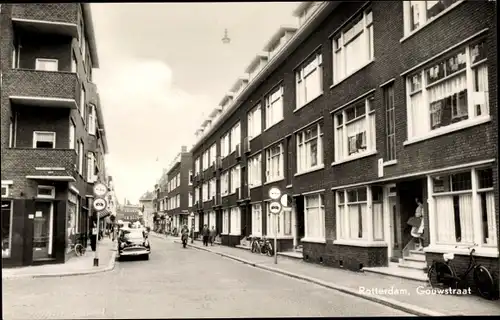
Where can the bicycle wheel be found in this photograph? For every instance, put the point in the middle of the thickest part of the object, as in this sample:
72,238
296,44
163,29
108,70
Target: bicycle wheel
484,282
254,247
441,275
269,250
78,250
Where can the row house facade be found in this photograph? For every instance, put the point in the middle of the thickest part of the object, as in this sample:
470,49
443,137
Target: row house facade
360,113
147,209
53,138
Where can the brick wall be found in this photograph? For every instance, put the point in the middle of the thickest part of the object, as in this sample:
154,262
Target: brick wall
57,12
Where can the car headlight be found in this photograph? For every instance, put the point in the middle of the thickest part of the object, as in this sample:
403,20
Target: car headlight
146,243
122,244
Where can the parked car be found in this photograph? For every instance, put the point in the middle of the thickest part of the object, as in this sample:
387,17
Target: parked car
133,242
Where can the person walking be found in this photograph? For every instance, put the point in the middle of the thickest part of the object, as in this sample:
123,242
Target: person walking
213,234
206,234
184,235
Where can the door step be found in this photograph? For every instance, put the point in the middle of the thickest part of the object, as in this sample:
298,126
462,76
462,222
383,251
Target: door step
291,254
395,271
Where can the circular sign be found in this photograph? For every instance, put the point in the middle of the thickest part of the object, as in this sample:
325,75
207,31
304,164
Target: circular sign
274,193
99,204
286,200
275,207
100,189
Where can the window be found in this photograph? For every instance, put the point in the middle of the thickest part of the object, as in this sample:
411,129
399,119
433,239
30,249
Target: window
277,223
82,102
190,182
7,212
224,145
11,133
90,167
212,188
196,195
257,219
211,219
390,122
84,48
224,183
314,210
178,200
419,13
274,107
47,192
44,139
225,221
178,177
73,63
235,221
255,171
197,166
235,179
353,47
235,137
72,218
92,120
310,148
205,191
355,130
5,190
309,81
43,64
448,94
255,122
274,163
196,222
462,201
213,155
204,162
72,132
80,158
190,199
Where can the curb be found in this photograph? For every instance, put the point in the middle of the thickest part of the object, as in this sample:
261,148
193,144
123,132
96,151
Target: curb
109,267
402,306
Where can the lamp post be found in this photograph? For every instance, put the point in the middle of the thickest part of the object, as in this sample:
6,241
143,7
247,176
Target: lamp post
192,226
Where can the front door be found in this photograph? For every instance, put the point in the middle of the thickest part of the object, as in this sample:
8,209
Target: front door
299,219
394,250
42,230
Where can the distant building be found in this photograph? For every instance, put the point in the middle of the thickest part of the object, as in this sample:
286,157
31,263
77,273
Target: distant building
147,208
129,212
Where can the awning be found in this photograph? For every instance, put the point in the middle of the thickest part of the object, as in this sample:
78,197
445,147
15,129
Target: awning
104,214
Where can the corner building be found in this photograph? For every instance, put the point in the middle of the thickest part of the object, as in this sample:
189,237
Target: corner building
53,138
364,108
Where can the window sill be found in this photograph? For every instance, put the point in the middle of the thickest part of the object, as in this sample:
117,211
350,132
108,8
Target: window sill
275,180
390,163
363,155
355,71
449,129
317,168
308,103
224,195
274,124
255,235
288,186
253,137
224,234
313,240
279,237
256,186
480,251
235,234
360,243
412,33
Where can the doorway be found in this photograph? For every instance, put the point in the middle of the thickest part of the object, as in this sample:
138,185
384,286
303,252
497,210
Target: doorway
43,222
408,191
394,221
299,219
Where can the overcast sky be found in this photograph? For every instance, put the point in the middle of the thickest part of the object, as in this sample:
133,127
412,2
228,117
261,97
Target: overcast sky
162,68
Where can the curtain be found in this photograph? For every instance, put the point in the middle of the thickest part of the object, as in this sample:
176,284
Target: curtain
225,221
312,222
445,219
447,88
312,83
490,216
481,95
356,135
287,221
355,54
341,221
353,221
205,219
419,116
378,222
212,219
466,224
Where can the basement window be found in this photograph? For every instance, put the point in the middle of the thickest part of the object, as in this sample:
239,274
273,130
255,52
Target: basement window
47,192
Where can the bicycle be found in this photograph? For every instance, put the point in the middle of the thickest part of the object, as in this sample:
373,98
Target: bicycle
443,275
262,246
79,248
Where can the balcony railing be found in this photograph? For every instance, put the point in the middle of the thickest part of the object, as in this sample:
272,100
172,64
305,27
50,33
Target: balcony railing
48,12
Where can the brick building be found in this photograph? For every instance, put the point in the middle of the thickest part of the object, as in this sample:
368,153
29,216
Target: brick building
147,208
358,112
52,130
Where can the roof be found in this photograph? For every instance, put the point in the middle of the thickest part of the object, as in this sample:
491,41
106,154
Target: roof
215,111
278,35
226,97
255,61
303,6
239,82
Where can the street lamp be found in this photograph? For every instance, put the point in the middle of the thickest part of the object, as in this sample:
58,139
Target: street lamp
192,226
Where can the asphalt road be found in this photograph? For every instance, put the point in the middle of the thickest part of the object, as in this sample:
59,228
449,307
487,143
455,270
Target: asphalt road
178,283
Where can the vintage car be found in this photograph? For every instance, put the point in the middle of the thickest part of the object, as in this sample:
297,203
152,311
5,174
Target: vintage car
133,242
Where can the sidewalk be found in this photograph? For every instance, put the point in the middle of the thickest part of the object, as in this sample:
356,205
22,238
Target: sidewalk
74,266
406,295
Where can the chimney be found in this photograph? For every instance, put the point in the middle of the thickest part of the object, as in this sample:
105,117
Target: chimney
184,149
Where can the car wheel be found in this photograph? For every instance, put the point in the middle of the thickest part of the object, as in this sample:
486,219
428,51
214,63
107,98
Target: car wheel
146,257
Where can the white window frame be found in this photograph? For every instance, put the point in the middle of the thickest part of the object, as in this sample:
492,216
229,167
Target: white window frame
271,176
35,138
422,18
235,137
92,120
224,184
318,236
190,199
224,145
255,122
235,181
271,223
196,195
211,219
44,196
255,171
74,63
83,105
235,228
72,134
178,198
341,135
204,160
6,187
212,188
339,43
204,192
305,72
39,61
11,133
81,157
212,154
91,162
225,222
422,89
304,154
257,219
197,166
274,100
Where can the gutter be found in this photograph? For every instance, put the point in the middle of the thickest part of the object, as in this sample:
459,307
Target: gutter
90,33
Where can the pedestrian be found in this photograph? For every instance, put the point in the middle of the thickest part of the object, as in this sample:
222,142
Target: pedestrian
213,234
205,232
184,235
417,224
93,236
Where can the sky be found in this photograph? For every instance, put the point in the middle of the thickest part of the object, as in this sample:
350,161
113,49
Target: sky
163,68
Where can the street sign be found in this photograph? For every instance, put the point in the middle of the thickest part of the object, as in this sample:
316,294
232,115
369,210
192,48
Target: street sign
274,193
286,200
100,190
275,207
99,204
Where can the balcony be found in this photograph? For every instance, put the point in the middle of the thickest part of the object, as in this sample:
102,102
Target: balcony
43,164
41,88
52,18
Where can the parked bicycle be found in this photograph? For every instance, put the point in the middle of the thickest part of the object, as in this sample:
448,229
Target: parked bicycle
442,275
262,246
80,247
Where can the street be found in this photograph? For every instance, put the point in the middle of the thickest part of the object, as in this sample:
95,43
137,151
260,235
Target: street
177,283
